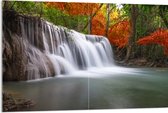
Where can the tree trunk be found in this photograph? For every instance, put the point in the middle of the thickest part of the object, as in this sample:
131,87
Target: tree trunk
108,19
90,24
6,5
133,31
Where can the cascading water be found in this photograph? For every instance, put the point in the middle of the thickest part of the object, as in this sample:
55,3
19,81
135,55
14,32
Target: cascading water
53,50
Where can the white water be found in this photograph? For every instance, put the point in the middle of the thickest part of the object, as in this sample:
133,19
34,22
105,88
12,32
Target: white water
54,50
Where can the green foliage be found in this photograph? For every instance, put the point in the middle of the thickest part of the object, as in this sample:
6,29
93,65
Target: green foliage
27,7
126,10
58,17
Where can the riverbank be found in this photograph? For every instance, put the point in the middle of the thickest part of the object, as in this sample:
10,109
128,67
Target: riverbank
141,62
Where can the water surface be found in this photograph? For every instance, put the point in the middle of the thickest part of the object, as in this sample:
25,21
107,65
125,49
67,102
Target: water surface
97,88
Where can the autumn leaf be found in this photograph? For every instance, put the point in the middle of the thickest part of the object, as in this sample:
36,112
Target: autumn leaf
75,8
119,33
159,37
99,24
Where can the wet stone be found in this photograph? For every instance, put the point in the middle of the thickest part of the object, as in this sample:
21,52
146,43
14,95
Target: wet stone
10,103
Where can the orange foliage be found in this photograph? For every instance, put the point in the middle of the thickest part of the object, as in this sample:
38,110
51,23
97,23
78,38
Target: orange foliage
119,33
75,8
114,15
99,24
160,37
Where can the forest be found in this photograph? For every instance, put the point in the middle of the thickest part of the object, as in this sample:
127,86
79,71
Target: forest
138,33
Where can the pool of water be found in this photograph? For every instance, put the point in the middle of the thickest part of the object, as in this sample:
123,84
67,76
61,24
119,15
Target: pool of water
97,88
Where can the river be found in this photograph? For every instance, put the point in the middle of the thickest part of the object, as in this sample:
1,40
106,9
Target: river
97,88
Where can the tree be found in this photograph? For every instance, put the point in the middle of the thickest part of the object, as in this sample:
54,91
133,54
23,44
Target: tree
99,24
134,14
119,33
159,37
108,18
90,17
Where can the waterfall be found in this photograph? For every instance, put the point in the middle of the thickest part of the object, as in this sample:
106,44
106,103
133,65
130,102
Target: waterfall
52,50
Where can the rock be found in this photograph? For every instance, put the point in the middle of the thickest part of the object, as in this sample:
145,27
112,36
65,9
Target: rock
10,103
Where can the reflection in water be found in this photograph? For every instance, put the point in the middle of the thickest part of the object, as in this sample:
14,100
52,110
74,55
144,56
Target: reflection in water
102,88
